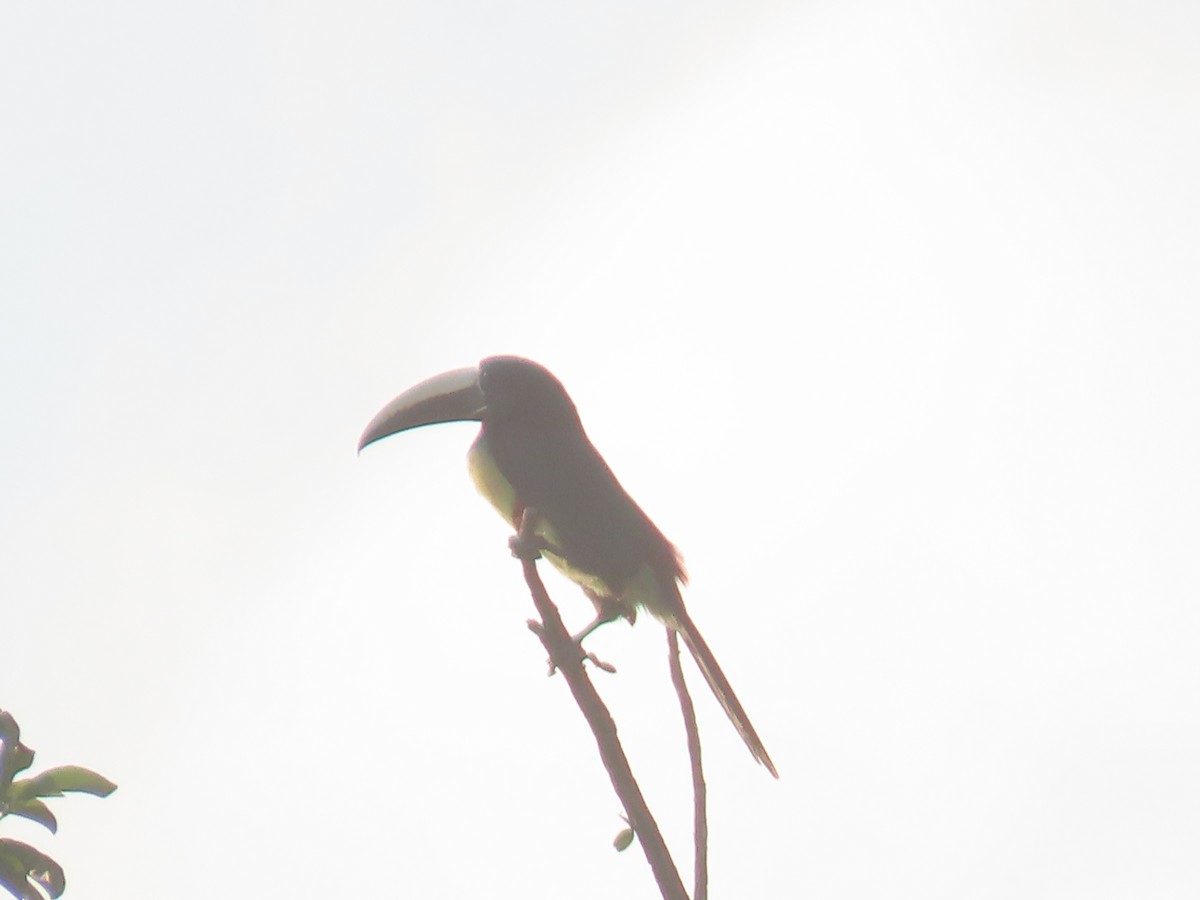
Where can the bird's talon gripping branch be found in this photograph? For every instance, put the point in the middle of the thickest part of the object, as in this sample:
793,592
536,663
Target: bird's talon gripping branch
527,544
523,549
540,630
590,657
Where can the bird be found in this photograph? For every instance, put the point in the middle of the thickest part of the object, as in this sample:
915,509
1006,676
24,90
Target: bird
532,453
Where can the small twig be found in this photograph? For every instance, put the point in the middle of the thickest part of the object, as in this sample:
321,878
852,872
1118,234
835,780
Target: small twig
699,789
567,657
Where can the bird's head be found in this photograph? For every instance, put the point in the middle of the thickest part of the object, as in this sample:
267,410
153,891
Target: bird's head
510,389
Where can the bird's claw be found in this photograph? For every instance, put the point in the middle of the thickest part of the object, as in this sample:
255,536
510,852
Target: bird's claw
524,549
537,628
590,657
527,544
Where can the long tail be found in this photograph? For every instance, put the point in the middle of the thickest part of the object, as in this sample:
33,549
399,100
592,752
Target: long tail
720,686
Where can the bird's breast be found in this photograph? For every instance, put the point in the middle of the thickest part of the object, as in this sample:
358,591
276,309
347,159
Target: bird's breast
500,493
602,539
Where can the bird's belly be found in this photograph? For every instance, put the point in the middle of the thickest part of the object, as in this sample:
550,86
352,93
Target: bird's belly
499,492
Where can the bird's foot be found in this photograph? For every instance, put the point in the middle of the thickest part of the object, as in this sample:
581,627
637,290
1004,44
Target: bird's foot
537,628
527,544
523,548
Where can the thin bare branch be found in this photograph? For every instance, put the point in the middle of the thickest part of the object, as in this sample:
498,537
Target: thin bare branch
699,789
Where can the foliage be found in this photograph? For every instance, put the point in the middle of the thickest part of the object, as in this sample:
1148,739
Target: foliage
25,871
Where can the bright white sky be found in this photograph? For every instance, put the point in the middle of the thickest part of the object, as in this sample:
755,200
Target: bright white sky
888,314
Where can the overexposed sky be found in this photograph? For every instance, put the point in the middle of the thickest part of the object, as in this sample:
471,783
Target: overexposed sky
889,317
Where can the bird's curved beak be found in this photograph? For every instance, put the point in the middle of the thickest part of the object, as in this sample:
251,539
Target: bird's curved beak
450,397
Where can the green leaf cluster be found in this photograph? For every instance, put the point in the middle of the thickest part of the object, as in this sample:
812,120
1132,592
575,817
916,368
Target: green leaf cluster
25,871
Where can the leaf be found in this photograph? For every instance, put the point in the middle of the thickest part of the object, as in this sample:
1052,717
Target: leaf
14,756
54,782
10,731
22,867
623,839
36,810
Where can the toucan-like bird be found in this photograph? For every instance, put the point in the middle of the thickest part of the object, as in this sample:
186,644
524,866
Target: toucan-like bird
532,453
